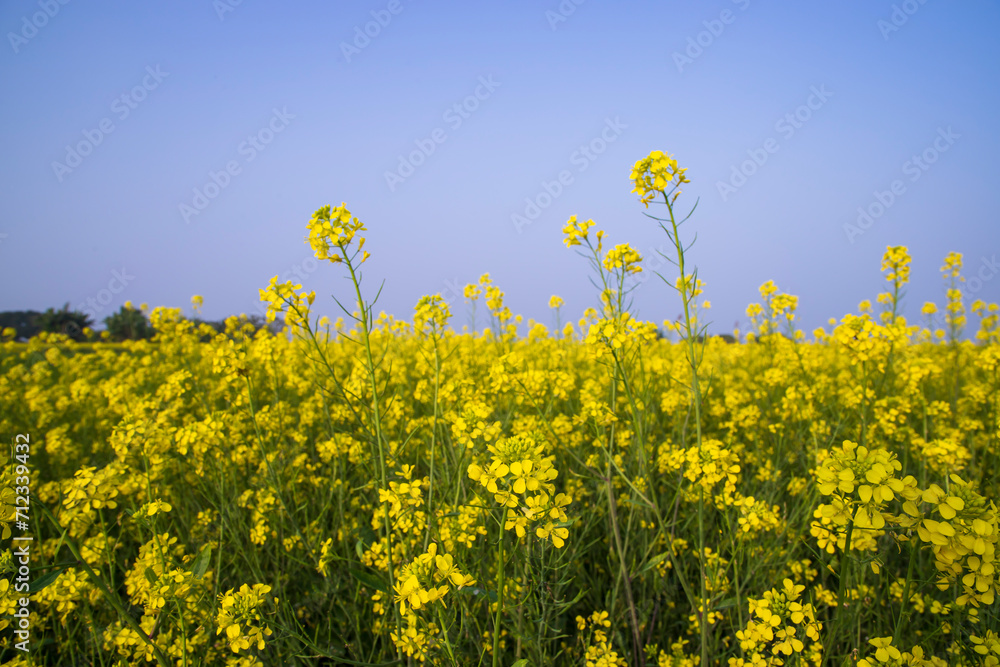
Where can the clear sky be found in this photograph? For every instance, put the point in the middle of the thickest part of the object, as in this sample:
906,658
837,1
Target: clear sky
154,151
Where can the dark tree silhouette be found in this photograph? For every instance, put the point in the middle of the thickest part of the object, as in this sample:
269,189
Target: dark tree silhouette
22,321
64,321
129,324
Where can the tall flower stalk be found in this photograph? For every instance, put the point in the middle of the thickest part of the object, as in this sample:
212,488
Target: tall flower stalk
656,176
333,236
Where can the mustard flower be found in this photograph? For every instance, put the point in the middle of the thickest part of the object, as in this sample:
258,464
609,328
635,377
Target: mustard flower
655,173
332,230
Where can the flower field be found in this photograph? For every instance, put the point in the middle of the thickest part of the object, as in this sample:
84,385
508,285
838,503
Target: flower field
374,491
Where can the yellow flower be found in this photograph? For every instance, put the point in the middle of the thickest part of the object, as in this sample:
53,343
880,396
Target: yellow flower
655,173
282,298
331,231
554,533
152,508
624,258
575,231
896,261
431,315
239,616
952,265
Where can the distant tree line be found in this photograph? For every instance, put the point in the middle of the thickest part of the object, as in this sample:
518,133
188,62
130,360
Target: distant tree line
132,324
700,338
127,324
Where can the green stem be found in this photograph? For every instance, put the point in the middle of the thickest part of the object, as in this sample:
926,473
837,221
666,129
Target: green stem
500,584
273,477
158,653
617,309
430,489
444,631
845,575
901,621
622,569
376,417
689,336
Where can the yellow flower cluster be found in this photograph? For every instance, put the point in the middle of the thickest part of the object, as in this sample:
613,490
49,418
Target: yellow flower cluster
285,298
163,583
889,655
963,541
416,582
780,626
989,321
598,652
777,307
863,337
152,508
756,517
955,309
240,616
622,258
861,481
896,261
988,646
503,327
616,331
575,231
952,266
654,173
431,315
331,231
520,478
705,469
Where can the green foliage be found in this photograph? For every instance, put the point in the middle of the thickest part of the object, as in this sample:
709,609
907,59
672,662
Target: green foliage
22,321
129,324
64,321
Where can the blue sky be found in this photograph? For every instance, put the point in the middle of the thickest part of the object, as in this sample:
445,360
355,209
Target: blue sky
153,152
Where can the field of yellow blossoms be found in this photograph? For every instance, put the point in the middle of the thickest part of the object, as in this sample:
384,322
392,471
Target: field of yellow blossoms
373,491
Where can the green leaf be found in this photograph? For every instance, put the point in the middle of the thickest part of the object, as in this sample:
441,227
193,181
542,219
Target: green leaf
200,565
150,576
44,580
368,580
653,562
523,662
